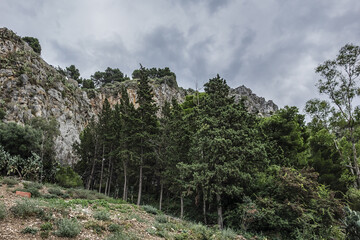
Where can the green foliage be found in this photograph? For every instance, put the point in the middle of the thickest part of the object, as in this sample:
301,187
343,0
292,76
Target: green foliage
33,43
352,224
9,181
102,215
67,177
95,227
122,236
150,209
161,218
46,226
2,113
73,72
292,202
26,208
19,140
36,185
88,84
29,230
110,75
353,196
113,227
3,211
155,73
58,192
69,228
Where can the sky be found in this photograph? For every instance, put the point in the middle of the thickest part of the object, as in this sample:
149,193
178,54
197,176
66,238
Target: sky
270,46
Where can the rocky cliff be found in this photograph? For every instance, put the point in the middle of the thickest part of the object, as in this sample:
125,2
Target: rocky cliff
29,87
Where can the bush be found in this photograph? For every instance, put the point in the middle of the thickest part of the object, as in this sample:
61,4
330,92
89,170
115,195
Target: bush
352,224
26,208
58,192
2,211
68,228
46,226
2,114
102,215
115,228
36,185
33,43
121,236
353,196
150,209
161,218
66,177
228,233
10,181
29,230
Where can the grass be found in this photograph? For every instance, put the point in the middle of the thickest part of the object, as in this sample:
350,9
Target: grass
68,228
101,215
29,230
46,226
122,236
85,194
26,208
2,211
228,233
96,227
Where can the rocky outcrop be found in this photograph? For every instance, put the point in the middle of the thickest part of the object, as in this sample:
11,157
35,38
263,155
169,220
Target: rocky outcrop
254,104
29,87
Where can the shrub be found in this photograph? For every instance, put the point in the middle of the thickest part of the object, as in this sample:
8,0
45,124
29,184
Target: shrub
68,228
353,195
29,230
46,226
228,233
113,227
66,177
2,211
36,185
161,218
58,192
2,114
352,224
150,209
10,181
122,236
95,227
33,43
26,208
102,215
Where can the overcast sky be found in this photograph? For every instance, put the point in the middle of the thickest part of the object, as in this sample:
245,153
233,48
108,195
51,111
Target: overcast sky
270,46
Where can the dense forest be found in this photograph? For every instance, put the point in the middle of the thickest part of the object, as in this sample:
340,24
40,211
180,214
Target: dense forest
209,160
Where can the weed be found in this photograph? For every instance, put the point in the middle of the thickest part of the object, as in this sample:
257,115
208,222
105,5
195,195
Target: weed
101,215
29,230
68,228
26,208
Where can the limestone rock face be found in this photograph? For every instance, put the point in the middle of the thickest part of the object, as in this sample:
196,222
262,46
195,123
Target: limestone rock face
254,104
29,87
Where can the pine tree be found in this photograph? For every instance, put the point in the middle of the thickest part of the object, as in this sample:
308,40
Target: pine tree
226,148
146,126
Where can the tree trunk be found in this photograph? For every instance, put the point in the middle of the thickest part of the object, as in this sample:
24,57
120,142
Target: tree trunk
181,206
355,160
108,177
92,168
161,195
219,211
140,186
102,169
204,209
111,174
125,181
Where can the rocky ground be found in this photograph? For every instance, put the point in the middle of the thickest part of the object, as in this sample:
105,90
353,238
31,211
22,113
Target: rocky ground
98,216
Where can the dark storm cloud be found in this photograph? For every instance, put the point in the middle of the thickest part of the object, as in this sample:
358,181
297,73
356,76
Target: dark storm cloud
270,46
